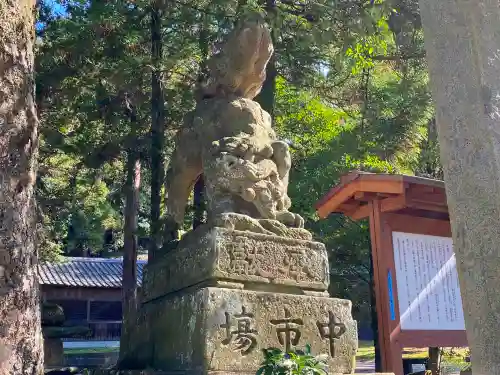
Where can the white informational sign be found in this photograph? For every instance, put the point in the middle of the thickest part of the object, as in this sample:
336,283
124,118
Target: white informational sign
427,283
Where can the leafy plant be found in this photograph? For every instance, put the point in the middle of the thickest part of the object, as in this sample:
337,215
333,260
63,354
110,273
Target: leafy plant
296,362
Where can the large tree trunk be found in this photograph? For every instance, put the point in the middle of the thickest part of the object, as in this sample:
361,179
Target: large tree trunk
199,186
199,203
129,278
157,127
462,40
21,349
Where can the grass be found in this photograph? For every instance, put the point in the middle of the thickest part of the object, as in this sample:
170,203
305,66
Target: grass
366,352
89,350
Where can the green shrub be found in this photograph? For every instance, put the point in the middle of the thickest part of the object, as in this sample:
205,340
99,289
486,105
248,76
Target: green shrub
297,362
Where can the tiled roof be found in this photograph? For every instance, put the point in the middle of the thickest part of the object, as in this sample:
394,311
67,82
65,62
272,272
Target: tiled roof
86,272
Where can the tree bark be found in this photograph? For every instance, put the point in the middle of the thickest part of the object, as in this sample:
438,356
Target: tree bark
199,186
21,348
129,277
199,202
157,127
462,39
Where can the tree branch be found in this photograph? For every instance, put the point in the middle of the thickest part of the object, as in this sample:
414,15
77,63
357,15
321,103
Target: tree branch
294,4
298,10
419,55
203,11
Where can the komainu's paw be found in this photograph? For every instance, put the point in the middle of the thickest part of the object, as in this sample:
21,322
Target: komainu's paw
274,226
290,219
282,230
235,221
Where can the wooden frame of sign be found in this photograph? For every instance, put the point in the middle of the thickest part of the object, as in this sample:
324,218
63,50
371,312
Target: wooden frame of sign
416,285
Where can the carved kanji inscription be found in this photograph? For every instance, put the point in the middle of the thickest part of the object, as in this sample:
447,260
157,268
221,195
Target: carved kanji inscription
331,330
288,330
242,334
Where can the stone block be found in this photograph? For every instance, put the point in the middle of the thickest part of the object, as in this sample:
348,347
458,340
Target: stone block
241,260
53,352
225,330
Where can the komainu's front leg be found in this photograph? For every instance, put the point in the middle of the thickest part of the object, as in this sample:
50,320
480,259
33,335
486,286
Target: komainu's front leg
184,169
282,158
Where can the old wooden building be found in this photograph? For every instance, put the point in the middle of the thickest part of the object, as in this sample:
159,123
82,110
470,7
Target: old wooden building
90,292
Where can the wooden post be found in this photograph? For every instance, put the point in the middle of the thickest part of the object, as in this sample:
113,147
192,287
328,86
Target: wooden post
88,311
391,351
382,337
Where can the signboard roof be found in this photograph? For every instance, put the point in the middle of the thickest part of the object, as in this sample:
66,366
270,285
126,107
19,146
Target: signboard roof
411,195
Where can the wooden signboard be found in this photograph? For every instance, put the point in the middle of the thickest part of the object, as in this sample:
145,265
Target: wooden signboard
416,285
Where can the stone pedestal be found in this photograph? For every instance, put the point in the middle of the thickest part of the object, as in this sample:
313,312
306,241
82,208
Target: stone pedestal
217,329
222,296
53,352
242,260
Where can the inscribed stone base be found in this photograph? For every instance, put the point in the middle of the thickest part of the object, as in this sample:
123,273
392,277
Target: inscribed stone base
243,260
225,330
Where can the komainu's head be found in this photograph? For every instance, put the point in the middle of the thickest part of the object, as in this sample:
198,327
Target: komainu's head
239,68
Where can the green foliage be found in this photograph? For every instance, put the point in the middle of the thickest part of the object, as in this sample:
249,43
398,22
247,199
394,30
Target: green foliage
76,206
296,362
365,113
91,75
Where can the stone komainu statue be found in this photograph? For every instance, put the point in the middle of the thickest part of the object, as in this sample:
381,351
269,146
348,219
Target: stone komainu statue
229,139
